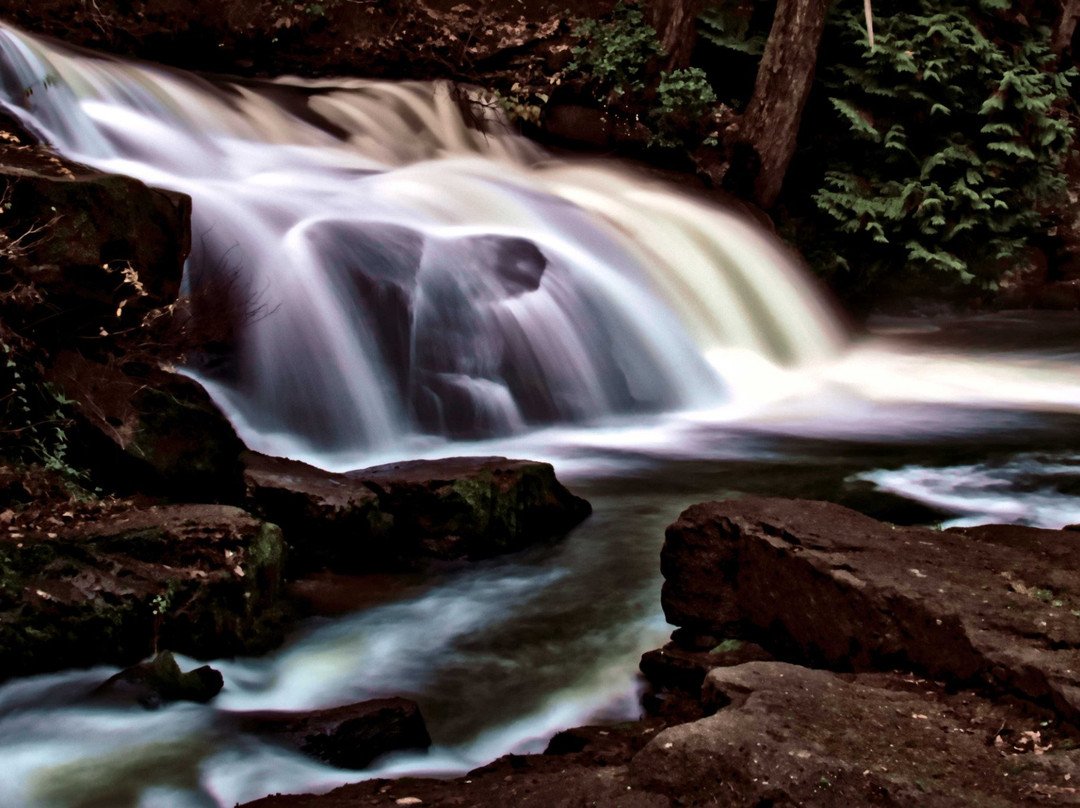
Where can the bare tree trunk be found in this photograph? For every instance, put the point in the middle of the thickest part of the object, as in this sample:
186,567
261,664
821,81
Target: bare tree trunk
1065,25
674,24
770,123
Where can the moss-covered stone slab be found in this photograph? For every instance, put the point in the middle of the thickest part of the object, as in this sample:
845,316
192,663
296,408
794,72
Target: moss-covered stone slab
203,580
403,513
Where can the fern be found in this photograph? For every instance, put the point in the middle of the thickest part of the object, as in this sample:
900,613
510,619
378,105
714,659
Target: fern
943,140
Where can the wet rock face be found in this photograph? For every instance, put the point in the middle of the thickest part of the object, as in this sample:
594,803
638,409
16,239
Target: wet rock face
329,520
404,513
141,428
202,580
994,606
348,737
473,507
101,249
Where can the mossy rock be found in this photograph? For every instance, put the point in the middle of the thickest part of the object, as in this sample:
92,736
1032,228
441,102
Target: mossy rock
204,580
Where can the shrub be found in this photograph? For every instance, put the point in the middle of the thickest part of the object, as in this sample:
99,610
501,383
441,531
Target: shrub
616,50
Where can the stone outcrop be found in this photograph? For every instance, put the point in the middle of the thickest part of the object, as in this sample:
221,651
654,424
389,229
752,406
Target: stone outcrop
101,251
995,606
90,271
399,514
203,580
788,735
350,736
142,428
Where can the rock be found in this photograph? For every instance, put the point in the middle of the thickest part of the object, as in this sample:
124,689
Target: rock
593,773
473,507
1060,295
348,737
675,667
202,580
329,520
140,428
993,606
112,251
576,125
788,735
160,680
402,513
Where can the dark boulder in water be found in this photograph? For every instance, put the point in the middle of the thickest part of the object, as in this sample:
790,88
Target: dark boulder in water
350,736
474,507
159,681
403,513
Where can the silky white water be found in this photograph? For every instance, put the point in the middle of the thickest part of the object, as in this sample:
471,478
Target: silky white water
408,283
419,272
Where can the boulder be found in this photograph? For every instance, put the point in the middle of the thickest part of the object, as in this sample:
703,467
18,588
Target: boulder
685,669
329,520
141,428
473,507
160,680
101,251
204,580
399,514
348,737
789,735
997,607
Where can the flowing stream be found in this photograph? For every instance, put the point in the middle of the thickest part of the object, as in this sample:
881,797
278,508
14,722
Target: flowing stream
408,279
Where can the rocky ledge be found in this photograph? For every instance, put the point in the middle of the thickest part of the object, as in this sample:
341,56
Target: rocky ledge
397,515
82,588
824,658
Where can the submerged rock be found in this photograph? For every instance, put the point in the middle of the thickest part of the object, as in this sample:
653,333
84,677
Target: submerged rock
399,514
993,606
350,736
160,680
204,580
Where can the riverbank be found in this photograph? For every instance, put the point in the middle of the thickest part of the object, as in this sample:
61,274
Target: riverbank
824,658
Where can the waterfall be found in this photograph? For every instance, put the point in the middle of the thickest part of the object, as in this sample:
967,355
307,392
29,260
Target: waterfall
399,263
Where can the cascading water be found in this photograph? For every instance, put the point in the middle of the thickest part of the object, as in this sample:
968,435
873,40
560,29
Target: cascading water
398,268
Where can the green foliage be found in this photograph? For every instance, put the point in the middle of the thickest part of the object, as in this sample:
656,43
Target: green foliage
618,57
521,104
684,104
946,143
35,416
616,50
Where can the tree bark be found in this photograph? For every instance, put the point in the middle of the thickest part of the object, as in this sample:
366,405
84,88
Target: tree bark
674,23
770,123
1065,26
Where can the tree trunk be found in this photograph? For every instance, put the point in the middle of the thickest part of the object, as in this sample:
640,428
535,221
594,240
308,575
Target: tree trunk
1065,26
674,24
771,121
